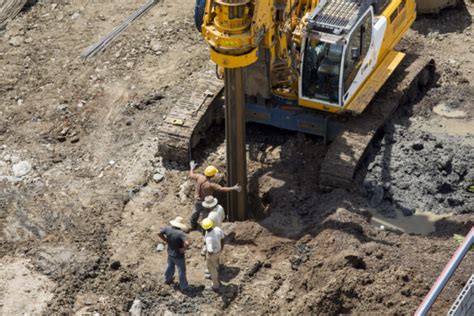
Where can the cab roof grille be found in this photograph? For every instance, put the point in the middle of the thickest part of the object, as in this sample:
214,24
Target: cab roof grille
335,15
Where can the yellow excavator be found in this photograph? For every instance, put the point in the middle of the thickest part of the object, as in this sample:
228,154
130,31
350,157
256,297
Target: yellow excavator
312,66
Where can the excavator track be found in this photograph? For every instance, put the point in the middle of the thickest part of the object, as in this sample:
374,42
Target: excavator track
347,150
193,113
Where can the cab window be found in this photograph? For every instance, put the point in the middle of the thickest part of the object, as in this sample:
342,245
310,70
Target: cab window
321,70
357,48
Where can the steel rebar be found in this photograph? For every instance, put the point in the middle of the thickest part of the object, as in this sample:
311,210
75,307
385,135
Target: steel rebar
109,37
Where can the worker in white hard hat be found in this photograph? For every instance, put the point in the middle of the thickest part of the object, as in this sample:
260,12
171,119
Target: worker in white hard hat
214,239
205,187
215,212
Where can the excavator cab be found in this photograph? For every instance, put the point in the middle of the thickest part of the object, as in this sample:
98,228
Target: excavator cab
337,54
321,71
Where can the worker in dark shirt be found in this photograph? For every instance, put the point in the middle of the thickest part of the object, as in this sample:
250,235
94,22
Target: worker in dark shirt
176,239
205,187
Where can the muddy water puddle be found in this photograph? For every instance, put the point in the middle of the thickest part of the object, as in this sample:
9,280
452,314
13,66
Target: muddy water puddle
421,223
453,127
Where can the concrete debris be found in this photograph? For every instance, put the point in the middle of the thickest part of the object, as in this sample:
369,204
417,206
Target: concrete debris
157,177
160,247
9,179
21,168
16,41
184,190
75,15
136,309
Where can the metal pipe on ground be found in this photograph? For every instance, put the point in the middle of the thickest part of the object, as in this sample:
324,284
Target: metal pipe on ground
235,142
445,275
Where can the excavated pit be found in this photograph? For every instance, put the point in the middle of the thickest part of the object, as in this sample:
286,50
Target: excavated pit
83,191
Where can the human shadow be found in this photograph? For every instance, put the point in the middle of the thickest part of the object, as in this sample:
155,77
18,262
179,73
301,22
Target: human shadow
192,291
227,273
228,293
449,20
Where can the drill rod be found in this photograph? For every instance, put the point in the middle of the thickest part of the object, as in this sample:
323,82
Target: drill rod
235,142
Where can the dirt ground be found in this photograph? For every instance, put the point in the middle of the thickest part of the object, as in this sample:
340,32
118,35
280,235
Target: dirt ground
80,211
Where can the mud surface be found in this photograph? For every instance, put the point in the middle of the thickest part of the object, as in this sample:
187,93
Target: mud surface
80,207
419,171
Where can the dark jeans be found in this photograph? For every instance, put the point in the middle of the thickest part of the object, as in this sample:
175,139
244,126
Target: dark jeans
170,269
198,210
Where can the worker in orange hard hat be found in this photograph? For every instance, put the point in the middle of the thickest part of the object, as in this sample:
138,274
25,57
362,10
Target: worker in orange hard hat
205,187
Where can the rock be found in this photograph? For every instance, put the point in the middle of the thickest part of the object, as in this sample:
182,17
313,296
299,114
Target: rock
455,201
157,46
115,265
21,168
372,165
445,188
168,313
16,41
76,15
160,247
136,309
157,177
407,210
417,146
254,269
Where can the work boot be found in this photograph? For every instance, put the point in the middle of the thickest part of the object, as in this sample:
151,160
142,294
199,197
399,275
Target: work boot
186,291
211,288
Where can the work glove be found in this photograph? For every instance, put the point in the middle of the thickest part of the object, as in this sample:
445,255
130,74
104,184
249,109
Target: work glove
237,188
192,165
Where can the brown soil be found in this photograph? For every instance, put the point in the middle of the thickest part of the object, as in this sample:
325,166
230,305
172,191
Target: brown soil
89,131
